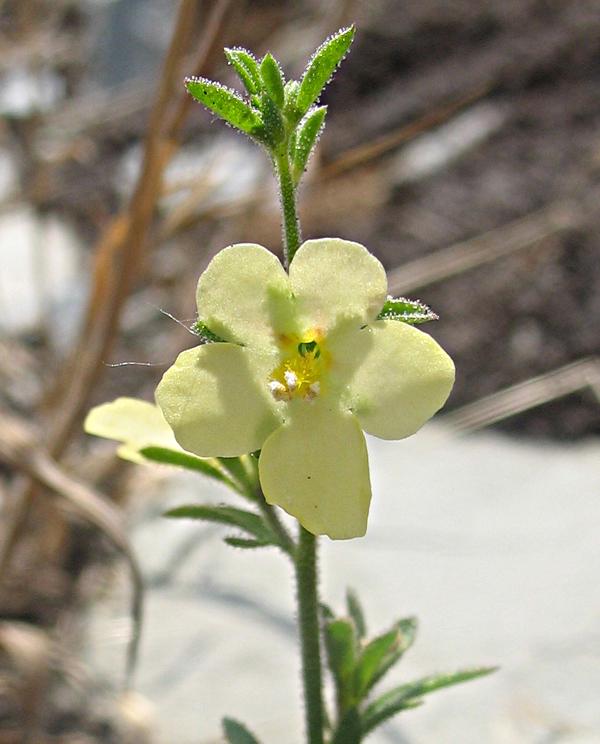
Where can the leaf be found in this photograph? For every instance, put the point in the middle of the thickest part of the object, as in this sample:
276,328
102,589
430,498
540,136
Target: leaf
273,79
407,630
291,89
240,542
186,460
205,334
274,130
227,104
246,67
408,311
237,733
245,520
349,730
370,659
306,138
321,67
341,645
326,612
407,695
355,611
241,474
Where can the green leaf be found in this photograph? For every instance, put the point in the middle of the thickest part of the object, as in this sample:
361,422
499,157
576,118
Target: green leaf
326,612
245,520
273,79
408,311
246,67
167,456
349,730
274,130
291,90
370,659
227,104
407,631
236,733
306,139
241,474
240,542
205,334
321,67
341,645
407,695
355,611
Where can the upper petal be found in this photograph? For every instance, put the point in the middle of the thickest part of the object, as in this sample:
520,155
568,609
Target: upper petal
216,399
244,295
316,467
404,378
134,422
334,279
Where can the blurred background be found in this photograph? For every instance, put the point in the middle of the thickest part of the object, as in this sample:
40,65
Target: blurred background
463,148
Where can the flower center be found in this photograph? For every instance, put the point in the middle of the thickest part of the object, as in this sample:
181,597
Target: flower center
299,374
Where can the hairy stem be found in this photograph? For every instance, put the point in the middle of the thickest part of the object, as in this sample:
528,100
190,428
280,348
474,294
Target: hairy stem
308,619
287,195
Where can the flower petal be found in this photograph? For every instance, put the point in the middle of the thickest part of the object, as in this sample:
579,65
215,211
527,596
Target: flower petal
216,399
133,421
334,279
244,295
404,378
316,467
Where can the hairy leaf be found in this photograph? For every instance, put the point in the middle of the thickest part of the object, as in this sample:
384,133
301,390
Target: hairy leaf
227,104
408,695
237,733
341,645
306,138
246,66
236,467
355,611
408,311
248,521
186,460
370,659
321,67
273,79
274,130
407,631
241,542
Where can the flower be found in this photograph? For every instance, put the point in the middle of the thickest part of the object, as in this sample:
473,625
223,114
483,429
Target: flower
304,366
135,423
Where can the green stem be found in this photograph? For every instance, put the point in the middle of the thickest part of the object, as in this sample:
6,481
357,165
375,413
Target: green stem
270,515
308,618
305,554
287,195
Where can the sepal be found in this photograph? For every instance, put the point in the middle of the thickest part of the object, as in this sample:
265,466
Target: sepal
204,333
408,311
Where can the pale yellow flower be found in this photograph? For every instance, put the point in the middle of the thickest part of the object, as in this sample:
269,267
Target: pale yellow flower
304,367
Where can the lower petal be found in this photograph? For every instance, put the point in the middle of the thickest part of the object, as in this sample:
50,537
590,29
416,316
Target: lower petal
216,400
316,467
